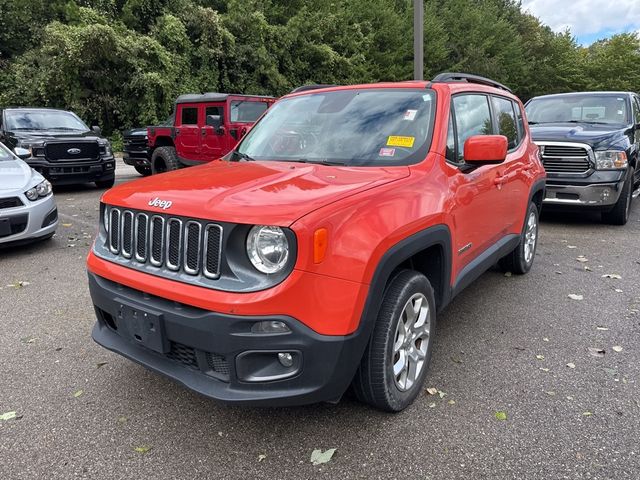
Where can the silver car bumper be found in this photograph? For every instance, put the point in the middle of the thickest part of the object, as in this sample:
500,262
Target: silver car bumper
31,221
596,195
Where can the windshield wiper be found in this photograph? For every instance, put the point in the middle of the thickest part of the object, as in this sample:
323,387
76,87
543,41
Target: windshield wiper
67,129
242,156
321,162
592,122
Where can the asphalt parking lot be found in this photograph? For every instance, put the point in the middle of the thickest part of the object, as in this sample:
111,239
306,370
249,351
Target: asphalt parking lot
506,345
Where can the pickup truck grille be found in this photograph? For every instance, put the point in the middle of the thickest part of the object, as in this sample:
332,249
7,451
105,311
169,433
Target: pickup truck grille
81,151
164,242
565,158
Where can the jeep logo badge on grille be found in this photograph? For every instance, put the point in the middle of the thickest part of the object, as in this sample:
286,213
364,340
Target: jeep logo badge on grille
74,151
163,204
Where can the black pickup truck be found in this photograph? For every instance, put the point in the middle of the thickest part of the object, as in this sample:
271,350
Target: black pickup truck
136,150
59,145
589,144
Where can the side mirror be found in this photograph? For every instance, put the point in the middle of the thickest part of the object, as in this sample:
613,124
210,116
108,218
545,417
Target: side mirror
22,153
97,130
485,150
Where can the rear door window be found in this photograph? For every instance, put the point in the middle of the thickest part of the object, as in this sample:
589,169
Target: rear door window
506,120
473,117
189,116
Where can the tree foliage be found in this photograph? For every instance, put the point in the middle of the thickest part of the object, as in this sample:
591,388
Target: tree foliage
120,63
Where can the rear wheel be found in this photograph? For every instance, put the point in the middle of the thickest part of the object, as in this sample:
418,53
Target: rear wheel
143,170
519,261
164,159
394,365
619,215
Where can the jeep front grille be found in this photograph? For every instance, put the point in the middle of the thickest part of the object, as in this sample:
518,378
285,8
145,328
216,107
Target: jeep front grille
559,158
164,242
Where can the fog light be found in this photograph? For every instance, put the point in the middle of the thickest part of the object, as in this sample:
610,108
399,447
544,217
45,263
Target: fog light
605,194
274,326
285,359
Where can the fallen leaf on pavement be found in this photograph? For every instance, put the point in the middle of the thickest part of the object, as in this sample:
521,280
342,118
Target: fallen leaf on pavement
571,365
544,369
545,339
261,457
28,339
604,329
143,449
617,348
612,275
571,246
587,414
573,296
507,274
78,393
432,405
441,393
101,364
432,391
318,456
582,259
540,357
451,402
551,394
587,269
67,225
597,352
501,415
8,416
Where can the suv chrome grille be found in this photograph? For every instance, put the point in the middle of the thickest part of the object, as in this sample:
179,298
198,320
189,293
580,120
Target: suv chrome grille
565,158
190,246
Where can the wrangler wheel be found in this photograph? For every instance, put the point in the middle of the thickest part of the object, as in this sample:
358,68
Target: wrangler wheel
394,365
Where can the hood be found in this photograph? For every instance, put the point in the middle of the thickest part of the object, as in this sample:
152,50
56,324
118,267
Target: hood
276,193
25,136
597,136
135,132
16,175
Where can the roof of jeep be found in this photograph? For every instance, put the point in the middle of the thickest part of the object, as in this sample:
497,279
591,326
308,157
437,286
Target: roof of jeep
214,97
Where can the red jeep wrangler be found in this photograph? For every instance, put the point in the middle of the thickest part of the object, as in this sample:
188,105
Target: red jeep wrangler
205,127
317,254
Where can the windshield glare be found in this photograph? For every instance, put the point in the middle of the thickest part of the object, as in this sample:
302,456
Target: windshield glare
5,154
610,109
353,127
43,120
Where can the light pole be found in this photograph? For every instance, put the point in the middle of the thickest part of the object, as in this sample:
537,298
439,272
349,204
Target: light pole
418,39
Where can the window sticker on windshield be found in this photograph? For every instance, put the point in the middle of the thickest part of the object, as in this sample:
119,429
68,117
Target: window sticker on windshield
410,115
387,152
397,141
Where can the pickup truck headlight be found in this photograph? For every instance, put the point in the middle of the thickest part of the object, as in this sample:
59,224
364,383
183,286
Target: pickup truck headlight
267,248
611,159
41,190
105,149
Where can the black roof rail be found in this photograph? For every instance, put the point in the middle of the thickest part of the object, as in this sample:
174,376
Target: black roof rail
467,77
316,86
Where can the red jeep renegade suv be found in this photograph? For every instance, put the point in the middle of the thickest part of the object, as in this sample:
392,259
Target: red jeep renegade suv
317,254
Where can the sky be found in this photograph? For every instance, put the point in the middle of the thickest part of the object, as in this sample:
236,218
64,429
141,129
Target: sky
589,20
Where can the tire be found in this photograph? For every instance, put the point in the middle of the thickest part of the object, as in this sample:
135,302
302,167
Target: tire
142,170
106,183
164,159
375,382
619,215
520,260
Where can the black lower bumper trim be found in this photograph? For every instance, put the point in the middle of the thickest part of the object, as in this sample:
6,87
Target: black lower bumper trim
200,348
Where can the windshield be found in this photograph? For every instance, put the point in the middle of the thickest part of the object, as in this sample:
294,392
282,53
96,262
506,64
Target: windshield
591,108
43,120
352,127
5,154
245,111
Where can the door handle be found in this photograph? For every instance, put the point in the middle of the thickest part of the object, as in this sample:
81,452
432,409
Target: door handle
499,181
203,132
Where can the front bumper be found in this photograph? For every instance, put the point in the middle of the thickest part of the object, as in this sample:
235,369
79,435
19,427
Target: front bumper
217,355
136,158
600,190
30,222
67,173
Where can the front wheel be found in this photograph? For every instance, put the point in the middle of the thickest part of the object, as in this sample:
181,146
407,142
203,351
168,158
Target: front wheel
520,260
394,365
619,215
164,159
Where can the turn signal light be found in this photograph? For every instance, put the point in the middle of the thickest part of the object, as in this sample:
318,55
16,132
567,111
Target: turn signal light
320,244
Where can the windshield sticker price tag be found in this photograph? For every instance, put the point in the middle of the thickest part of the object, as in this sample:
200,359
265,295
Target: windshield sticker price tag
387,152
397,141
410,115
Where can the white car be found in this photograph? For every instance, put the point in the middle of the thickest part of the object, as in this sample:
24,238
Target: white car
28,210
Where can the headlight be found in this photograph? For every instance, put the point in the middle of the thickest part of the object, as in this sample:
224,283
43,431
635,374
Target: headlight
611,159
106,149
41,190
267,248
105,219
